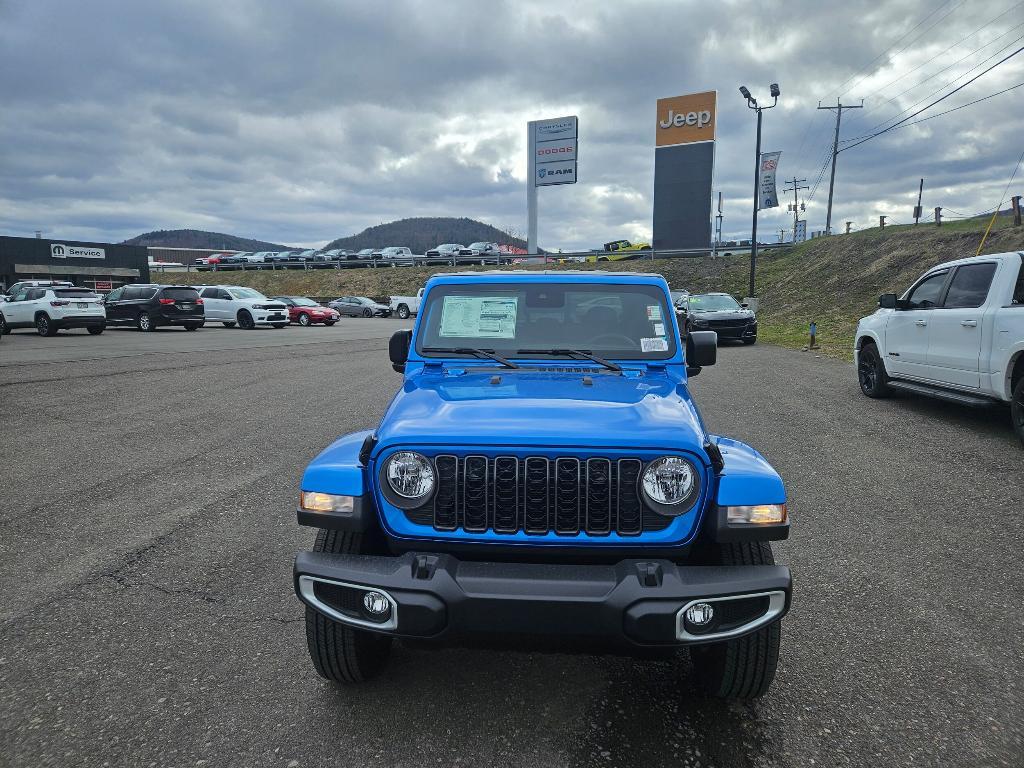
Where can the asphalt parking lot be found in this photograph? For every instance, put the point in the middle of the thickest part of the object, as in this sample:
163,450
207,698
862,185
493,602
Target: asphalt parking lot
148,617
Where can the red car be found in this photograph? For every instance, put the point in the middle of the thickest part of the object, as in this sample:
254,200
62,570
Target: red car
307,312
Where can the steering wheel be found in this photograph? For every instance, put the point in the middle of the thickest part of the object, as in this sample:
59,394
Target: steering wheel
616,337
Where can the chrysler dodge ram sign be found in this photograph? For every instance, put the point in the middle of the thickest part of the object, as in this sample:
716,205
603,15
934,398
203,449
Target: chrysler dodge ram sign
553,151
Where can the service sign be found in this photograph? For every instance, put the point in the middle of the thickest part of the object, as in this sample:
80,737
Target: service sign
550,174
686,119
60,251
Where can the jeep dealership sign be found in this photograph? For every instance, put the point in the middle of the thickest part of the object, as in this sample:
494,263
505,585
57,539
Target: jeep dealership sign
684,160
60,251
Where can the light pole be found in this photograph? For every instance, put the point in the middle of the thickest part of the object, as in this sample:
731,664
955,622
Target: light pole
752,104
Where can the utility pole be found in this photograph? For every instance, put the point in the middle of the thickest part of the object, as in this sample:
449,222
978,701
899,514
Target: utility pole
795,207
917,208
938,216
839,107
1015,203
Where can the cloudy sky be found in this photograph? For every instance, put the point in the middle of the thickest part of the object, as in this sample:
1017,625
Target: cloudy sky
303,121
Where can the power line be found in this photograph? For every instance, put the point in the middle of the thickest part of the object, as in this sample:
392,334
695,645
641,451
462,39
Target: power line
999,205
946,112
937,101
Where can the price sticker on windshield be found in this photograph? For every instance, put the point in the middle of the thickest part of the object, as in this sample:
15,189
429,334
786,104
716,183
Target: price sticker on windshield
479,317
653,312
653,345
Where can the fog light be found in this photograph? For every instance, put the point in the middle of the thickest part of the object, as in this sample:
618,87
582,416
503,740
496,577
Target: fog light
700,614
759,514
376,604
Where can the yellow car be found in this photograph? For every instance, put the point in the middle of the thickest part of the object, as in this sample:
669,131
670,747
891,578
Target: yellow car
619,250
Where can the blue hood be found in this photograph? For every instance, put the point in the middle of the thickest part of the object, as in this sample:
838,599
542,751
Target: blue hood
461,406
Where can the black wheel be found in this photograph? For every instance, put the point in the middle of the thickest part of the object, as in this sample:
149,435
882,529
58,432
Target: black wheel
367,313
743,668
403,312
752,340
4,327
304,319
45,326
1017,409
229,323
871,372
191,326
144,322
96,330
339,652
245,321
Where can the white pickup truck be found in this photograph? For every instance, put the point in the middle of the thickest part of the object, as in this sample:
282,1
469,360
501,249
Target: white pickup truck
403,306
956,334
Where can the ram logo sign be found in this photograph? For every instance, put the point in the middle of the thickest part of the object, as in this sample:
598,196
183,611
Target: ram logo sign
61,251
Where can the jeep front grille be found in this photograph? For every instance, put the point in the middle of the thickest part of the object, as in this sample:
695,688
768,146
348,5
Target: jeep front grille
566,495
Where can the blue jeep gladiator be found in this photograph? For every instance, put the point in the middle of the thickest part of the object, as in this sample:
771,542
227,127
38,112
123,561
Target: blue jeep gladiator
542,477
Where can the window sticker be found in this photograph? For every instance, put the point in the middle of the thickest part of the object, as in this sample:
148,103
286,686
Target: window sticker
654,312
653,345
480,317
659,329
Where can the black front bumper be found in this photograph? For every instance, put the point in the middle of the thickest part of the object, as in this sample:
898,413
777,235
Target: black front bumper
633,603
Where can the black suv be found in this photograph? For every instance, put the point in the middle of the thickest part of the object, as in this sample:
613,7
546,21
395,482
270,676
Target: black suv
147,307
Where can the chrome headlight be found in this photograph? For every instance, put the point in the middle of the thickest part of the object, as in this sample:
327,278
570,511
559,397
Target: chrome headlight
670,485
408,479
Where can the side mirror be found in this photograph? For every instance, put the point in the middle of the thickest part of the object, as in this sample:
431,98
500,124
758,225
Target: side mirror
701,349
887,301
745,305
398,349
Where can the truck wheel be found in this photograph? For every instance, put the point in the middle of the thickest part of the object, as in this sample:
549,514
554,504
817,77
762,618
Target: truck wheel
45,326
341,653
743,668
1017,409
871,372
191,326
403,311
245,321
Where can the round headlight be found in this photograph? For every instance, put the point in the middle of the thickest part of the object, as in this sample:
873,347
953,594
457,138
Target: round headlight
410,476
670,484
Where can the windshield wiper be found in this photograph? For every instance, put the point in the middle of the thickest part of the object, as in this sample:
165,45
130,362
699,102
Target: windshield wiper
579,354
489,353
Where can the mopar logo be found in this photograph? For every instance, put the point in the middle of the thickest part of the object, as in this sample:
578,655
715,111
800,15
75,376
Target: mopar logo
57,251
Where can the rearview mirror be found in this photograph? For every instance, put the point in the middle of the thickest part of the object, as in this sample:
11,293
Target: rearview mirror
398,349
887,301
701,349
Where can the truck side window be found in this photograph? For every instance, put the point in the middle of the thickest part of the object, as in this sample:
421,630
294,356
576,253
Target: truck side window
925,294
970,285
1018,291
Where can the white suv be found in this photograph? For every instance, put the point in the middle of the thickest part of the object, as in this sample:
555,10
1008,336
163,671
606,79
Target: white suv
246,307
49,310
34,284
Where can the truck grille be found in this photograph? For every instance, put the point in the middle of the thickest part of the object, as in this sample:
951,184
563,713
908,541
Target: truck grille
565,495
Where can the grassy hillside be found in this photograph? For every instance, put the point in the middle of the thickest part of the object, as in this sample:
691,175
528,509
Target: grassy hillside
832,281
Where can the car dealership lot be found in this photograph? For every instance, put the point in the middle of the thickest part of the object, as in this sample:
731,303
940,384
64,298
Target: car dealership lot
148,614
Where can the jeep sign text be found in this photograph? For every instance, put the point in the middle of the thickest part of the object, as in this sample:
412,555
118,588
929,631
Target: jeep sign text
686,119
700,119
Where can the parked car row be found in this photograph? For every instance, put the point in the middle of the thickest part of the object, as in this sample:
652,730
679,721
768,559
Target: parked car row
51,306
450,253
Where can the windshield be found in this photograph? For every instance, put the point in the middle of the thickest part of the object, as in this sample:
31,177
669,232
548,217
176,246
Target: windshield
301,301
246,293
619,321
478,246
713,303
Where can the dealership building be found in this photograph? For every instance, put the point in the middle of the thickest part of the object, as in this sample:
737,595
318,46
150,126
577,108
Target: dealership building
100,266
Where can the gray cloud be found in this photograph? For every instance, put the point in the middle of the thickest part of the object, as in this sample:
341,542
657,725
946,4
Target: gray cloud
303,121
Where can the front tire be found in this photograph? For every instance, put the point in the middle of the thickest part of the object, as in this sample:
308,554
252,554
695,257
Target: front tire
145,323
871,372
1017,409
191,326
304,319
5,329
245,321
745,667
367,313
45,326
403,312
341,653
